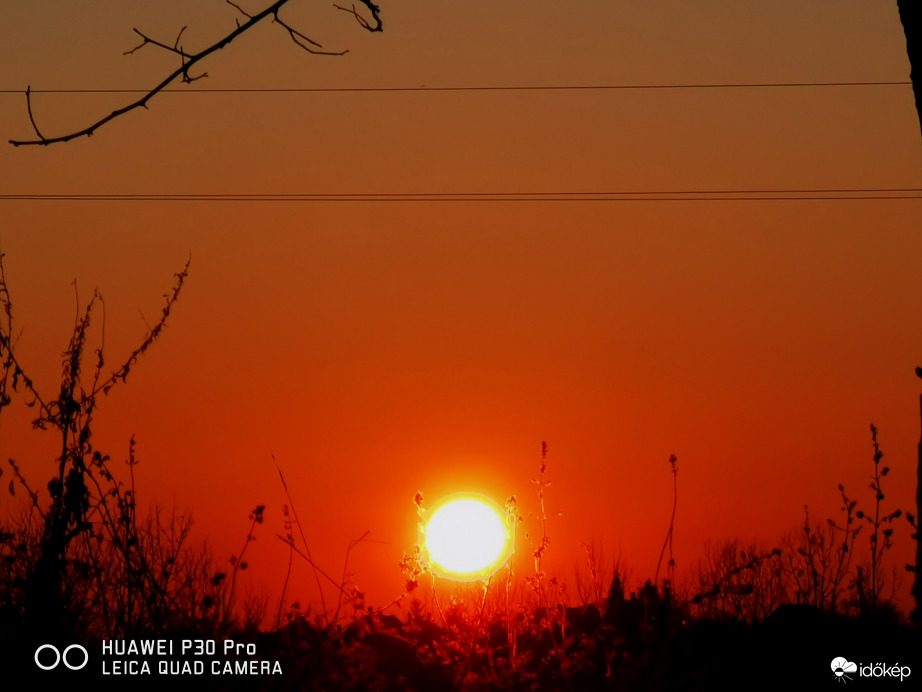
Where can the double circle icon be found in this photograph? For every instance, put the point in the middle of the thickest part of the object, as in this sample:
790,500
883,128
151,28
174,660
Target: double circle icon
60,657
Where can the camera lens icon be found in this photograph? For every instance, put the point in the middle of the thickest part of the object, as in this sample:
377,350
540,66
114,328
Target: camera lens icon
61,657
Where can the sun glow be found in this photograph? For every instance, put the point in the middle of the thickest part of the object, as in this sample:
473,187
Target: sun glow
466,538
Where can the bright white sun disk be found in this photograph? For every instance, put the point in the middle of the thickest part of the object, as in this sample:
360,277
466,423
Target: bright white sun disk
466,538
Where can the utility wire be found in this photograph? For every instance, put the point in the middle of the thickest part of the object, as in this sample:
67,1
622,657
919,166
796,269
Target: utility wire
765,195
540,87
503,193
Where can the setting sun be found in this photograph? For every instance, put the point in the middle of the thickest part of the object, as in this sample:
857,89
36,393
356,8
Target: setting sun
466,538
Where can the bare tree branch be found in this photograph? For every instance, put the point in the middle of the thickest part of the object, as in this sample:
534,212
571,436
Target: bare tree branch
303,41
190,59
175,48
375,15
239,9
29,108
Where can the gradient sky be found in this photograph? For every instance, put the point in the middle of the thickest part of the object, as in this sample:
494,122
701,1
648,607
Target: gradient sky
377,349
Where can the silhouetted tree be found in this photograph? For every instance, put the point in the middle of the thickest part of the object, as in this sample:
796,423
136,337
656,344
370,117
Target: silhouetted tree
911,18
915,520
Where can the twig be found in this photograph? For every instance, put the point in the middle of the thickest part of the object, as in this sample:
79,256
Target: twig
29,108
668,541
278,617
311,563
32,494
470,654
145,39
342,590
307,549
435,598
122,372
9,361
304,42
256,517
375,15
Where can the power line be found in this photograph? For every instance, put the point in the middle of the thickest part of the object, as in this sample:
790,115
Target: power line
540,87
506,193
763,195
483,193
407,200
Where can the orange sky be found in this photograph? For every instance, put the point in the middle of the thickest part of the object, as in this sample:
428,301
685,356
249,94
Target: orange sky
377,349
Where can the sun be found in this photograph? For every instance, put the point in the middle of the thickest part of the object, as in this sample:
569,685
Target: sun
466,538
